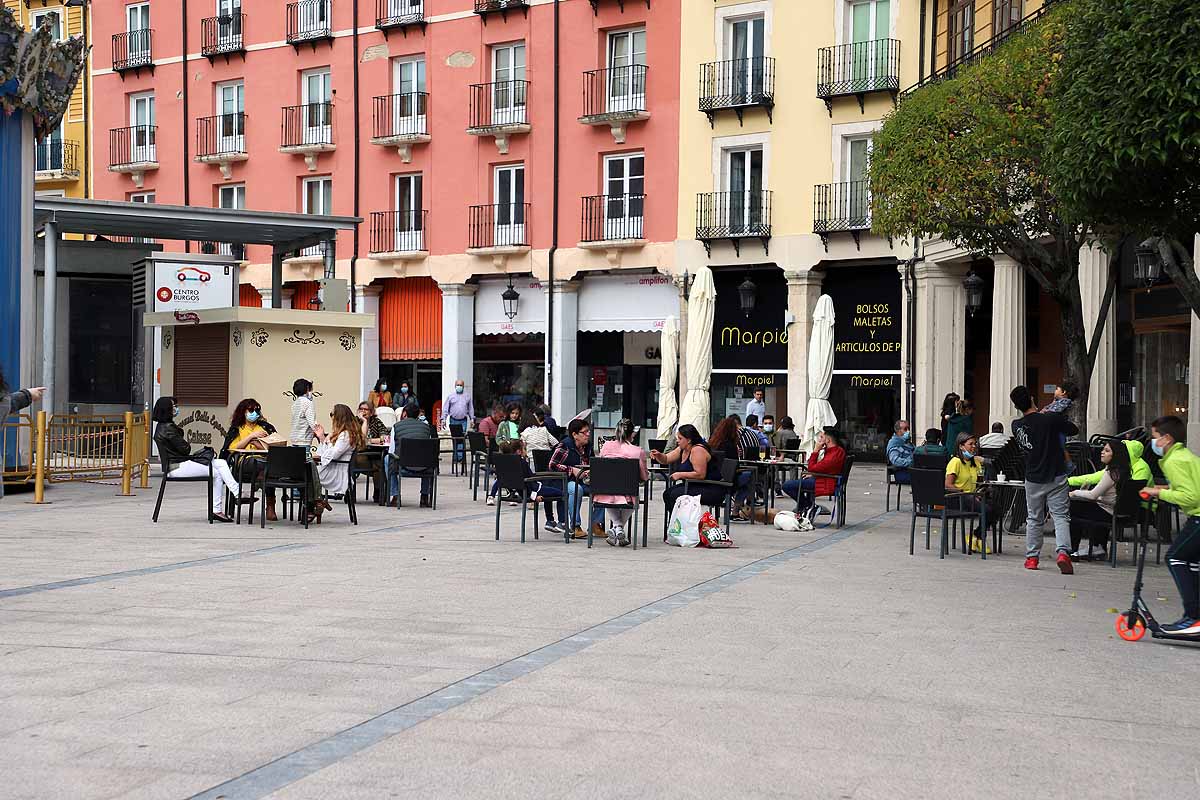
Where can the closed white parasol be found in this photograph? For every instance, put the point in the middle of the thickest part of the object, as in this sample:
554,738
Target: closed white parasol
668,408
701,303
820,373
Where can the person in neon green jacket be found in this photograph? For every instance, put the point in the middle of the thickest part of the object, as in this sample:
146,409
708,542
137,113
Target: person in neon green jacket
1139,469
1182,470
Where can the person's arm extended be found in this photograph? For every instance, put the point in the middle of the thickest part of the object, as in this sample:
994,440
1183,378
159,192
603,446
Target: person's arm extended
1096,492
1092,479
22,398
558,460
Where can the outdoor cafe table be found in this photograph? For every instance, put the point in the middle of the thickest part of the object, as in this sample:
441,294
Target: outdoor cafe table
771,467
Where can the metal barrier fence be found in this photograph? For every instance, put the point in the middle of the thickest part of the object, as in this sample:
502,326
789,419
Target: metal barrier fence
74,447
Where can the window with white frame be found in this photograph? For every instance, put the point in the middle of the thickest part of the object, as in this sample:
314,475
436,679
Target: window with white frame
745,57
508,191
49,16
137,26
408,87
855,157
743,184
141,197
231,126
627,70
508,83
409,217
230,196
317,199
625,195
142,133
317,96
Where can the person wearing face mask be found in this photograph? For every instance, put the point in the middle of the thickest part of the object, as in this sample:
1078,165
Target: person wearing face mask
171,443
403,397
458,413
304,413
1182,470
900,451
962,475
380,397
247,430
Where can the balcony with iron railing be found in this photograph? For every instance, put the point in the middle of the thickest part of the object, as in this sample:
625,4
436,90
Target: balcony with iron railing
733,217
842,207
222,36
500,110
737,85
133,151
498,228
133,50
858,69
399,235
307,130
615,97
399,14
309,21
612,221
221,140
485,7
400,121
56,160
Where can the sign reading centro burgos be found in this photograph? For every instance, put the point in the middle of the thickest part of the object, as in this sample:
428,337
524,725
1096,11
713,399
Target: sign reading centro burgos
183,286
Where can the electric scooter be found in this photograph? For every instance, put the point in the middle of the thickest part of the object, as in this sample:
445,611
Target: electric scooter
1132,624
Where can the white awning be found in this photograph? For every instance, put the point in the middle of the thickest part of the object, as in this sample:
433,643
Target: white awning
489,307
639,302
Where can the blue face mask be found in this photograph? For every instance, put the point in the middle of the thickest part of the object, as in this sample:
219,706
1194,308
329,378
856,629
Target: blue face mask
966,454
907,435
458,390
403,390
383,387
1158,451
251,416
175,411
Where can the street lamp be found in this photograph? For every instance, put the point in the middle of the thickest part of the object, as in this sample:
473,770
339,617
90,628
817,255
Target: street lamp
974,286
747,296
510,297
1149,263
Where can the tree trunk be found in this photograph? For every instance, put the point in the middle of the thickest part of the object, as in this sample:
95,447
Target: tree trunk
1180,269
1077,366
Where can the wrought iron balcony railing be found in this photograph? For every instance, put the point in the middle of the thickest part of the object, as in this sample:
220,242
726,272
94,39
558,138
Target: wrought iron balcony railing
842,207
498,225
57,157
398,13
733,216
503,6
308,125
614,92
499,104
222,135
858,69
132,49
222,35
738,84
400,115
613,217
309,21
132,145
399,231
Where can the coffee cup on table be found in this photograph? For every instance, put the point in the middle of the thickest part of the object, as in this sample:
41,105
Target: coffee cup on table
1000,477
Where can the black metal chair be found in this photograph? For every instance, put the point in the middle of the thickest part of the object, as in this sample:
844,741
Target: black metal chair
892,481
369,464
511,474
287,469
477,447
931,500
348,495
615,476
482,451
657,444
542,471
1127,513
416,455
837,517
167,462
931,460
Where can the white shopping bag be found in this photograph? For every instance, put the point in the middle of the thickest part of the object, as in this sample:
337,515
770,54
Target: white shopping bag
684,528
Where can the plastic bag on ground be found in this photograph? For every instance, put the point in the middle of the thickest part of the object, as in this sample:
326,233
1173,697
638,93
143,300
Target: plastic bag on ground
683,530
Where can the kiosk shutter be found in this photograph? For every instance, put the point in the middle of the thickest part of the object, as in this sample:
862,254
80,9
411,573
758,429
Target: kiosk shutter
202,364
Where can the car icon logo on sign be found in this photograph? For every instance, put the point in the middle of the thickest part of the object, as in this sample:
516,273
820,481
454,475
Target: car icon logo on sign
192,274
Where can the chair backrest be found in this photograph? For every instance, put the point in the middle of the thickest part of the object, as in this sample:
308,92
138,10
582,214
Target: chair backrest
619,476
418,453
728,467
289,463
164,460
657,444
541,460
1129,502
510,472
386,415
787,440
928,486
847,465
931,461
477,441
1081,458
558,431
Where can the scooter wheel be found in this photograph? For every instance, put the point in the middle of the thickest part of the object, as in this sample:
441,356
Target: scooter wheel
1131,631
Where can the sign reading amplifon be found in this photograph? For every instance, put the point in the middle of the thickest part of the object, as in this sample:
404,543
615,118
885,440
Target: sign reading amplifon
183,286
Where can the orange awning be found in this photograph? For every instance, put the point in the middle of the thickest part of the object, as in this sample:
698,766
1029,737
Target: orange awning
410,320
248,296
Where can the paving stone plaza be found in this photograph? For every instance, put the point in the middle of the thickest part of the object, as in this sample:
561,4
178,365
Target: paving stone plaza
413,656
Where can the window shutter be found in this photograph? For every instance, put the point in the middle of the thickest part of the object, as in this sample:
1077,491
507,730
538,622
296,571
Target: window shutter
202,364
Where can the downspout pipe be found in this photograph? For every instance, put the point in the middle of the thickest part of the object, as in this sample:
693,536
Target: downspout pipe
187,156
921,45
87,102
553,226
932,40
910,361
357,168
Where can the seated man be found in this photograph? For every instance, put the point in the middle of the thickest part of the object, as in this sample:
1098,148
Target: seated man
932,445
900,451
997,438
409,426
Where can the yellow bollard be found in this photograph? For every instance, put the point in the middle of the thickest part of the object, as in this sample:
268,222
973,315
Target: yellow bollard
39,485
144,434
127,454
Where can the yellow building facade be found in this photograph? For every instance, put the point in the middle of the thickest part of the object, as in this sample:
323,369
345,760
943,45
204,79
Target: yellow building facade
779,101
63,159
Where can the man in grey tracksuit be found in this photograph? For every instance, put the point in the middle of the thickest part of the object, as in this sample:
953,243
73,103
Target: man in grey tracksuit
11,404
1041,437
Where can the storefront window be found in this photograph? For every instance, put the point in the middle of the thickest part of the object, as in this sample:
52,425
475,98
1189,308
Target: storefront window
1161,364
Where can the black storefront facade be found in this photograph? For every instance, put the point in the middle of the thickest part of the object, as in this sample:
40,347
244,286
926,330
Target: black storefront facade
750,350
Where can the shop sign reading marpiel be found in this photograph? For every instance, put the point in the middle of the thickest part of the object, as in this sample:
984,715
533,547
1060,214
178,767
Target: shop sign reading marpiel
180,286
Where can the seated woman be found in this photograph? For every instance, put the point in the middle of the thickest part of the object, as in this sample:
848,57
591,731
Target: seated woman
1096,505
826,462
373,429
962,475
539,492
339,445
171,442
724,440
247,430
696,462
621,446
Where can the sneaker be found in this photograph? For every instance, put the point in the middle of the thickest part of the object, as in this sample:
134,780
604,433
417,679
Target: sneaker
1064,564
554,527
1031,562
491,501
623,540
578,533
977,545
1184,624
611,538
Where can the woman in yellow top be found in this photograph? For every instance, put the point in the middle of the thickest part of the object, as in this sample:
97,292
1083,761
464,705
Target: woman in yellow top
962,475
247,428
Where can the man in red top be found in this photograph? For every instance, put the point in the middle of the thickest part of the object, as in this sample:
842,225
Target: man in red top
490,425
824,465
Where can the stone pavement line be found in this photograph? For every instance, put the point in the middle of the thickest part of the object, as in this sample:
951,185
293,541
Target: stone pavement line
133,573
285,770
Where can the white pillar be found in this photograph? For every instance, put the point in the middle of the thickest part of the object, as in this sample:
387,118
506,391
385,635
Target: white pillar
1008,340
1193,368
1102,393
265,294
941,339
565,360
804,289
458,337
366,301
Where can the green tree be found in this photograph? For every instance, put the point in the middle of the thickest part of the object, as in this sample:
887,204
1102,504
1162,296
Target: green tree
966,160
1126,144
